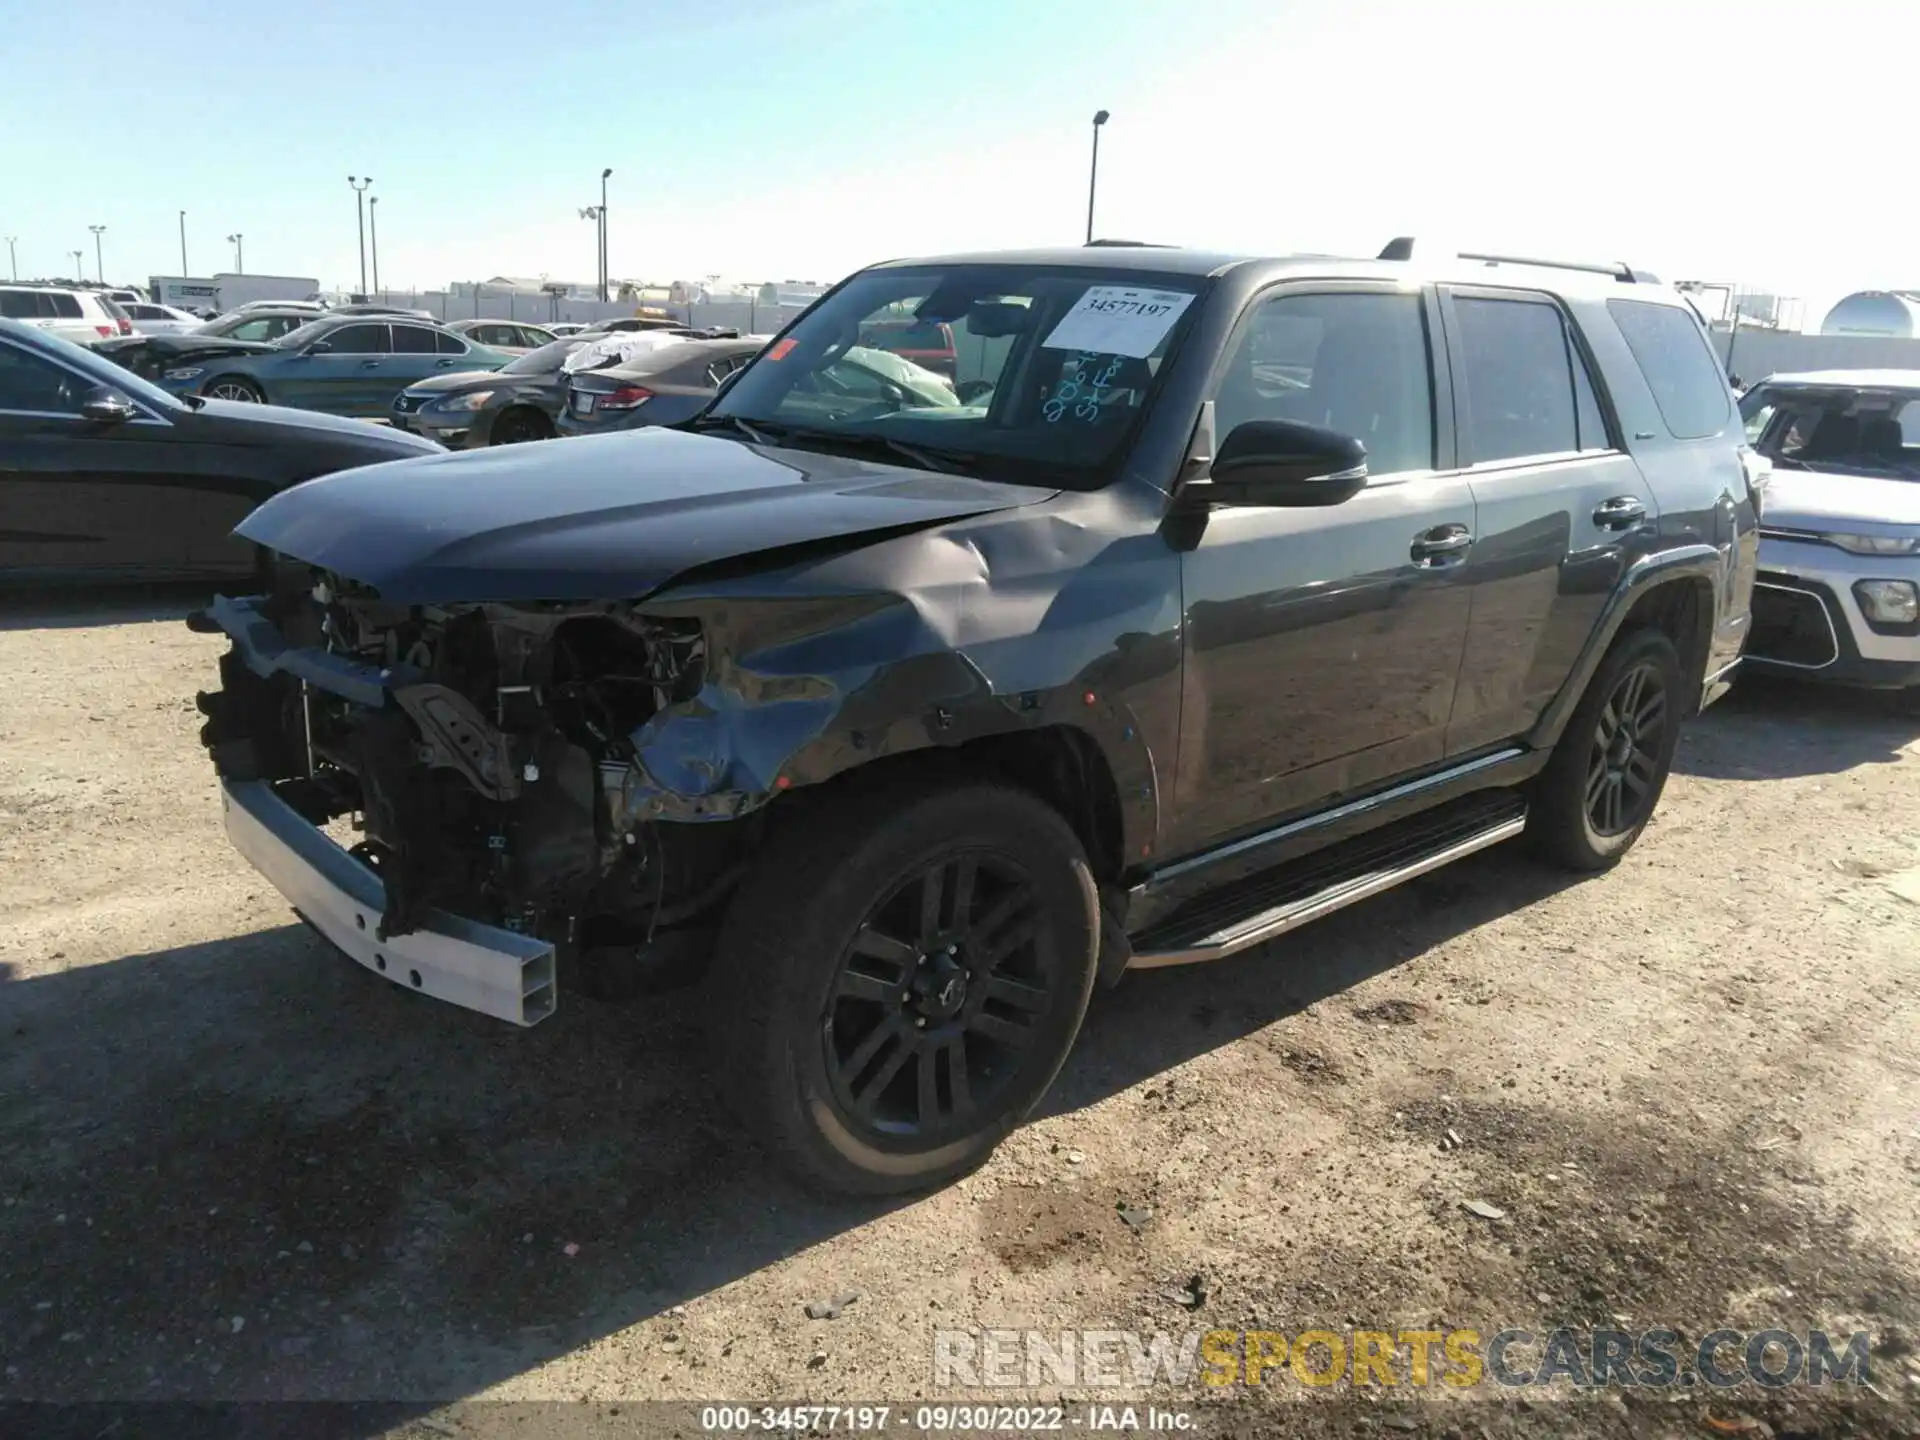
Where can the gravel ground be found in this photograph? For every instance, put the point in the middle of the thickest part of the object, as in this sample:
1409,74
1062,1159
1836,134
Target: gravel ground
235,1167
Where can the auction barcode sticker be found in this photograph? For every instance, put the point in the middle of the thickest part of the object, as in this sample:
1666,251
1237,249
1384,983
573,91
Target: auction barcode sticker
1119,320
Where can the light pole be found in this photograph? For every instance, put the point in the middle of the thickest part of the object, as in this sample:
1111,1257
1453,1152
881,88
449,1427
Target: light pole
99,263
13,259
78,273
183,244
239,255
360,185
1093,172
593,213
373,231
604,276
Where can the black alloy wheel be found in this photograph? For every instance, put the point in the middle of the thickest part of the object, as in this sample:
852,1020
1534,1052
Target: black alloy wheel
1604,778
1628,741
939,999
900,976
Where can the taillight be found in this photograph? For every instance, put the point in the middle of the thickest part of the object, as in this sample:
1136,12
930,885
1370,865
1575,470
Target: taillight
126,326
625,398
106,332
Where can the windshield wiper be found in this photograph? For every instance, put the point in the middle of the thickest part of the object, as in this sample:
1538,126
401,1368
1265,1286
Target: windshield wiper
921,457
759,432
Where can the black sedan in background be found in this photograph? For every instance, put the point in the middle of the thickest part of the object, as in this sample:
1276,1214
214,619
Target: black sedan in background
658,387
105,475
476,408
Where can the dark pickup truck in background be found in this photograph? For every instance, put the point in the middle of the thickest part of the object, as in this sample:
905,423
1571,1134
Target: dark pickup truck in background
1240,590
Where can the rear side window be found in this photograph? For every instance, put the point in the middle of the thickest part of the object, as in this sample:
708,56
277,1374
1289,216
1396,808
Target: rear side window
60,305
18,305
1680,367
1527,387
445,342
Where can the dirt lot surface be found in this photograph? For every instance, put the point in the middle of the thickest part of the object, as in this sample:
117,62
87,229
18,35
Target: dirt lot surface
235,1167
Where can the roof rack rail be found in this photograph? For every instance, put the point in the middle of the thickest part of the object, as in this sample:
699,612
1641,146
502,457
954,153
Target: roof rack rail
1130,244
1401,248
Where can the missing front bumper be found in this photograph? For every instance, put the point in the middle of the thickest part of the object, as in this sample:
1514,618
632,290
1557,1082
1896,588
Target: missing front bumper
477,967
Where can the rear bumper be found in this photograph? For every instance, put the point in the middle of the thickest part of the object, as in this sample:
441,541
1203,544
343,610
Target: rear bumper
477,967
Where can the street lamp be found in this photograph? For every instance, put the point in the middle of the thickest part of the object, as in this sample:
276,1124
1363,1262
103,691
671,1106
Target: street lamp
99,263
373,230
239,255
78,274
1093,172
604,276
183,244
13,259
360,185
594,213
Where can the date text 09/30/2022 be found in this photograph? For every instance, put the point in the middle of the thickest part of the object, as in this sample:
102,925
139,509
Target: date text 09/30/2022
942,1419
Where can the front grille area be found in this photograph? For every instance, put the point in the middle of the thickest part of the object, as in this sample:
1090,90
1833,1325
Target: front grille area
1792,627
407,404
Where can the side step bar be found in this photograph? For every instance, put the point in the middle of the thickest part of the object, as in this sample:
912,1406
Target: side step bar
1276,901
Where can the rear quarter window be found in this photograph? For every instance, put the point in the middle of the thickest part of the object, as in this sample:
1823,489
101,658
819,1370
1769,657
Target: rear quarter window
18,305
1680,367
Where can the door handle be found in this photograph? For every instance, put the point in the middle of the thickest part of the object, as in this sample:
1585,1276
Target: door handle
1440,546
369,364
1622,512
442,364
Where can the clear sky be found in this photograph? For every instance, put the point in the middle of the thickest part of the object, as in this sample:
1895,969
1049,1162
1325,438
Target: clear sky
771,139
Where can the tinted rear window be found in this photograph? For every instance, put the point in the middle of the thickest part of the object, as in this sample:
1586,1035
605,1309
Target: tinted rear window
64,306
18,305
1681,369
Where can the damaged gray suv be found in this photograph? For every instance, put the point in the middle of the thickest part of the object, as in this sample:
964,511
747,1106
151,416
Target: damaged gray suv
1216,594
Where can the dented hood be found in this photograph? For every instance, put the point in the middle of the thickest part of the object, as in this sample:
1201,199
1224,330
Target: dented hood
600,517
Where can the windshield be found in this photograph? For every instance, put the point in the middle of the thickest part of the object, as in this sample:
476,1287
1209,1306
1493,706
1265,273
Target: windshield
1053,366
1847,430
538,362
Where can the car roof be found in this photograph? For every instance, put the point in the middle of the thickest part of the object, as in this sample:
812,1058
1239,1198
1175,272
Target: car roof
685,353
1420,267
1848,379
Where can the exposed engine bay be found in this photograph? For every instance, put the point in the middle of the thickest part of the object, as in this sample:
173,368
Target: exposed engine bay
484,754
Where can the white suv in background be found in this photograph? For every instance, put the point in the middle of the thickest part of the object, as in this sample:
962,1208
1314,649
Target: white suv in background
82,316
1838,596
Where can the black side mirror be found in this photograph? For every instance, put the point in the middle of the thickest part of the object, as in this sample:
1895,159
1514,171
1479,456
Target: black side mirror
1283,462
318,347
107,405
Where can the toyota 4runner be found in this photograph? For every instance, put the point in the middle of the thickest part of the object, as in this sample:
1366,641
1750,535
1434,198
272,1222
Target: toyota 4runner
1233,591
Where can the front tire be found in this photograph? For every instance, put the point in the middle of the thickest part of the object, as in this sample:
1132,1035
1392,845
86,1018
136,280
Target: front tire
900,979
519,426
1606,775
234,387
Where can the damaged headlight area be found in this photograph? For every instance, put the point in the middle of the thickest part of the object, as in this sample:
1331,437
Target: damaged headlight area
490,760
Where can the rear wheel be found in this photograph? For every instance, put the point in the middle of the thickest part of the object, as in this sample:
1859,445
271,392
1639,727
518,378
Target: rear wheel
1606,775
899,981
519,425
233,387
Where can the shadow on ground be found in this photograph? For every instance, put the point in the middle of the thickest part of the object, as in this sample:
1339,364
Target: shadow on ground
1768,729
381,1191
68,605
